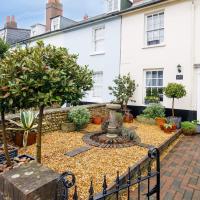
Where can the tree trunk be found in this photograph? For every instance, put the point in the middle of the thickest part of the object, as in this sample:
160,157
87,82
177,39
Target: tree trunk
173,108
39,135
4,139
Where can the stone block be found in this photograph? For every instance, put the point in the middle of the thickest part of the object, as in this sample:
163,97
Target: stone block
27,182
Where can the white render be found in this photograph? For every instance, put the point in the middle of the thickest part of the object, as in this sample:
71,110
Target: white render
181,47
80,41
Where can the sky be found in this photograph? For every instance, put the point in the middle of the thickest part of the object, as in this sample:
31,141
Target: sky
29,12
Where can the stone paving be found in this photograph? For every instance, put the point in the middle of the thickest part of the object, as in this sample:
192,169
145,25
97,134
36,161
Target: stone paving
180,172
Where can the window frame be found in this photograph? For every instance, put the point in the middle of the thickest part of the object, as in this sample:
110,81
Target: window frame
100,85
145,82
113,9
158,12
94,40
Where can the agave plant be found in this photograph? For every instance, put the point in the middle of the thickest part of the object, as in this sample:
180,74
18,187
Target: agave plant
26,124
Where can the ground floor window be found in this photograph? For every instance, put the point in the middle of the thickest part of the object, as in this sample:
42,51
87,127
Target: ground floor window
153,86
98,84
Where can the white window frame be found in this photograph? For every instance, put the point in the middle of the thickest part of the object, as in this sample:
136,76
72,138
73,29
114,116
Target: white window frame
98,84
112,2
161,43
102,51
55,24
145,81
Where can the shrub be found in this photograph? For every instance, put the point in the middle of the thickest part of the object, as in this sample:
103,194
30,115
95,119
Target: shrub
154,110
123,90
80,116
174,91
188,127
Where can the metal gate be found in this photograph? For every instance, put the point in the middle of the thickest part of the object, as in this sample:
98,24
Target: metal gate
68,180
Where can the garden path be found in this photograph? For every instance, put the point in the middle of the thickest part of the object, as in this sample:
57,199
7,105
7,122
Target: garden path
180,171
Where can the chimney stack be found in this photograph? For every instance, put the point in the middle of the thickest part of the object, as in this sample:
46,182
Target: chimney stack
10,22
53,8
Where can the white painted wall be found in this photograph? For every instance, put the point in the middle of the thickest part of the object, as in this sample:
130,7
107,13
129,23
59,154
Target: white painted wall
37,29
80,41
177,49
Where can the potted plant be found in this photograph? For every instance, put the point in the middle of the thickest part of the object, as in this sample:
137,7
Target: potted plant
168,127
97,119
189,128
175,91
80,116
123,90
26,127
128,117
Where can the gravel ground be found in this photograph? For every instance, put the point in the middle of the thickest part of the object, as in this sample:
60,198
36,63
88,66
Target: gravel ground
96,162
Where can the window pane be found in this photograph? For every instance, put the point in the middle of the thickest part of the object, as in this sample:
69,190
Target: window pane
115,4
149,23
154,82
150,36
154,74
160,82
156,35
99,33
148,74
161,16
160,74
148,82
156,21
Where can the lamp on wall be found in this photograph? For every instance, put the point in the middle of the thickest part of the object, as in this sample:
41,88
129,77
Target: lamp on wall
179,68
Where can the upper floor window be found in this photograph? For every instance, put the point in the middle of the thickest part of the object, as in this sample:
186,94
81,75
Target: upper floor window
99,39
112,5
155,29
55,24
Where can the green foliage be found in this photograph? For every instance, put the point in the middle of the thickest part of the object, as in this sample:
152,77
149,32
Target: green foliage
123,89
143,119
188,127
152,96
26,124
80,116
175,90
154,110
3,48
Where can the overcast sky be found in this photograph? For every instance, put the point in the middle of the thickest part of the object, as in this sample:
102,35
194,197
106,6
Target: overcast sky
29,12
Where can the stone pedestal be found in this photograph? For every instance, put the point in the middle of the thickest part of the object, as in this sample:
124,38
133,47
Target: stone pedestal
28,182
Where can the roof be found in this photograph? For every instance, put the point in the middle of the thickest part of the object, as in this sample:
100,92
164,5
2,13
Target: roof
98,18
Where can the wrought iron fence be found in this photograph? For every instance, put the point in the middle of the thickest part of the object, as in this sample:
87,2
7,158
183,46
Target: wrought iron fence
68,180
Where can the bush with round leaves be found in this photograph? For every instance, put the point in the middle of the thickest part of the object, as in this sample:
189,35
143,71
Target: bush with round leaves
174,91
80,116
154,110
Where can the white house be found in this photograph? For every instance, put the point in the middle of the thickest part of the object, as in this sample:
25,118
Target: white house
96,40
161,44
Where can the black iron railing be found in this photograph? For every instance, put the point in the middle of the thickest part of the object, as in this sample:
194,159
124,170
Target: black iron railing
67,181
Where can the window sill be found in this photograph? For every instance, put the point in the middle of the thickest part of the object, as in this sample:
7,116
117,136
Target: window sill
154,46
98,53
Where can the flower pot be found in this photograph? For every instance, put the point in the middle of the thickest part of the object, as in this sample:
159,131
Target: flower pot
97,120
176,120
160,121
18,139
189,133
128,117
168,130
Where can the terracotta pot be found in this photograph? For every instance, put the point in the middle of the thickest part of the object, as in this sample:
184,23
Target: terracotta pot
160,121
128,118
97,120
18,139
168,130
174,127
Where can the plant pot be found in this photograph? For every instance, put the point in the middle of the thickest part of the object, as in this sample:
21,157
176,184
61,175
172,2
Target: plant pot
176,120
168,130
160,121
189,133
97,120
13,152
18,139
198,128
68,127
128,117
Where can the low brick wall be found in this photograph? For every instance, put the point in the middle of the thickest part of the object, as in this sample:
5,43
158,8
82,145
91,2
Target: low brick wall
53,118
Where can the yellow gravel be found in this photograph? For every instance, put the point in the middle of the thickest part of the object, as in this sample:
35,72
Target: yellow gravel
96,162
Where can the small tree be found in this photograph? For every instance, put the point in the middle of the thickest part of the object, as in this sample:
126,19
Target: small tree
48,75
174,91
3,48
123,90
5,99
